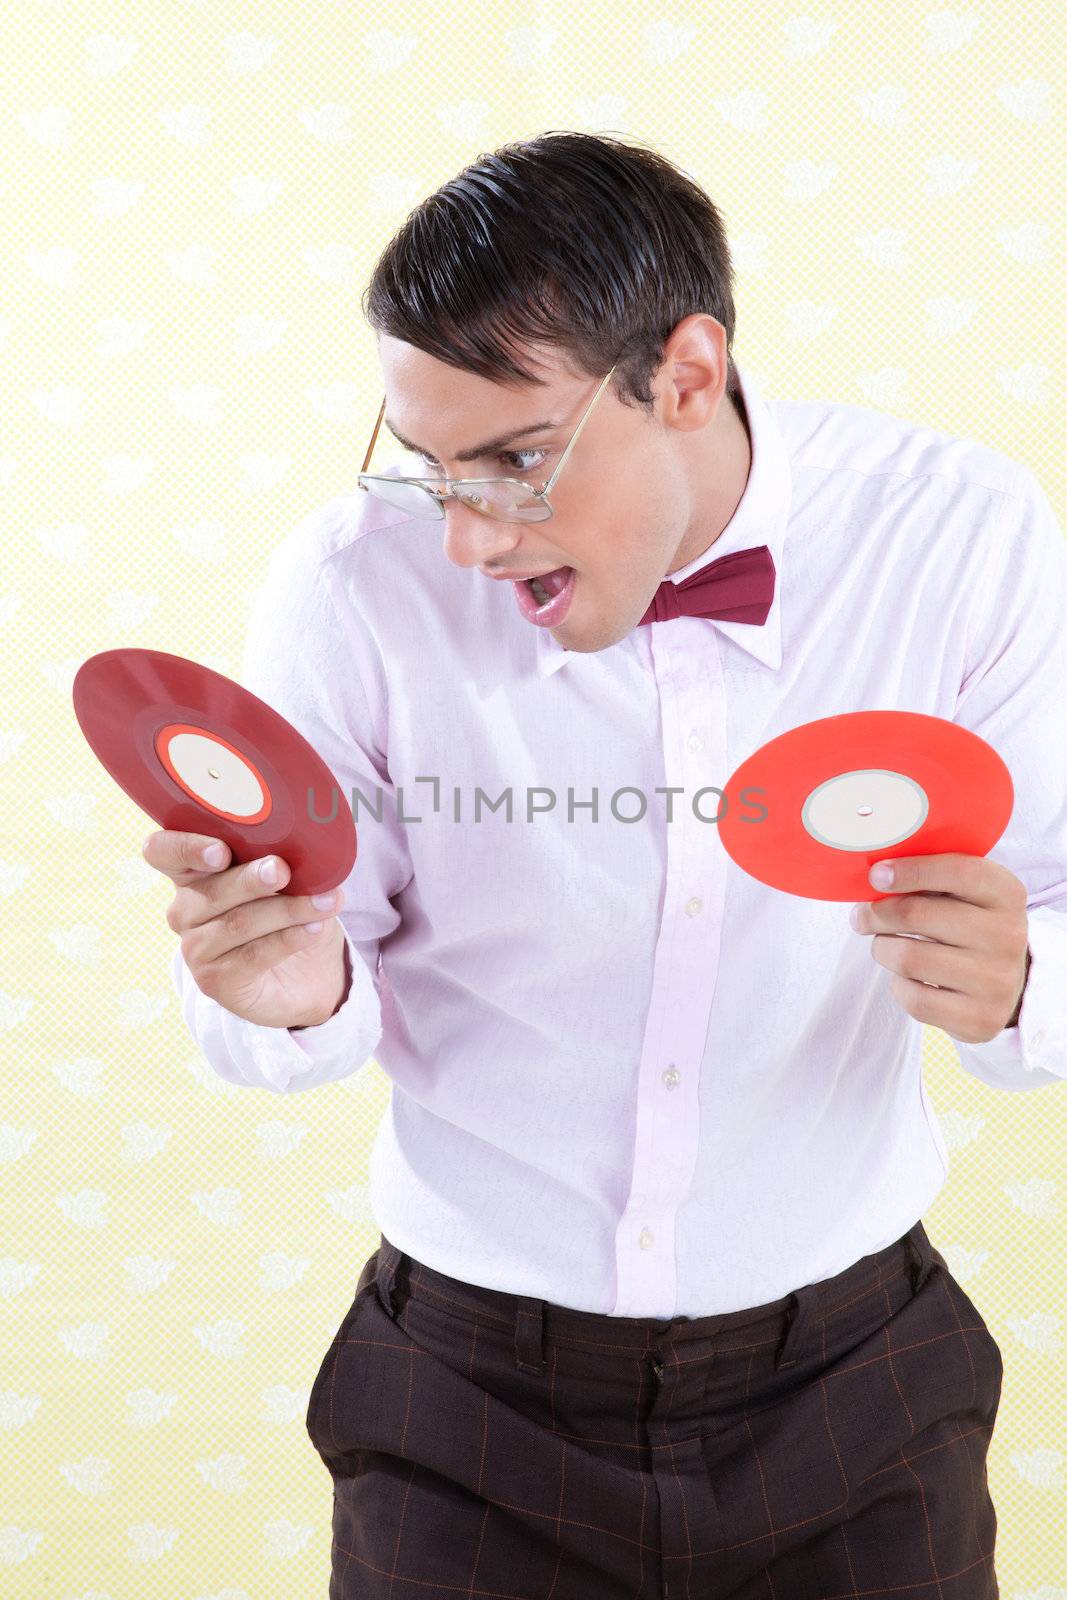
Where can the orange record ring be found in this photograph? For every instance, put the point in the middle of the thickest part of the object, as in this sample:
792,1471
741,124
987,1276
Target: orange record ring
811,811
202,754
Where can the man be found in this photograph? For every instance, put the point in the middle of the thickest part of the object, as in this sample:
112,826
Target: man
654,1310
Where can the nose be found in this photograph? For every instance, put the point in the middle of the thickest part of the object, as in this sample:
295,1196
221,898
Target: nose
472,540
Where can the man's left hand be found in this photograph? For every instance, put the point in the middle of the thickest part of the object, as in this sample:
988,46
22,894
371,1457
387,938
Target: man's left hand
973,913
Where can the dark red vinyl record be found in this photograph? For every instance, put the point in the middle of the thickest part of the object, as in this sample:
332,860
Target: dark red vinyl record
811,811
202,754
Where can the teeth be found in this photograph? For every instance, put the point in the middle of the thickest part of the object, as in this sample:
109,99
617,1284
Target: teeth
540,593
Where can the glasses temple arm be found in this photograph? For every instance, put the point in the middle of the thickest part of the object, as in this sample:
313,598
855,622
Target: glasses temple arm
574,436
559,464
373,437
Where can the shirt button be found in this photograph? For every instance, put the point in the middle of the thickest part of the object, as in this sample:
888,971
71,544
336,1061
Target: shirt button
694,742
646,1239
671,1077
693,906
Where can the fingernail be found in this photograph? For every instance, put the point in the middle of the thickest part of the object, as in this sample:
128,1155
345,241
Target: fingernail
322,902
882,875
214,855
268,870
854,917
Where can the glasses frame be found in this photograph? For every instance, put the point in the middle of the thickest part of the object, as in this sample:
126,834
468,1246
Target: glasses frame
438,496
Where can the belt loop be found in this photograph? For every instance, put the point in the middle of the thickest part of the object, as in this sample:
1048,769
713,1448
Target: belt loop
389,1263
529,1335
922,1255
797,1313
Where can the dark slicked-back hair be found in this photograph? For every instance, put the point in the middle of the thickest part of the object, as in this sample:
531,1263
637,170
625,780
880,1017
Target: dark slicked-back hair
580,242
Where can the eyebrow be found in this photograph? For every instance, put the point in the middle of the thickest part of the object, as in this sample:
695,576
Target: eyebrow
480,451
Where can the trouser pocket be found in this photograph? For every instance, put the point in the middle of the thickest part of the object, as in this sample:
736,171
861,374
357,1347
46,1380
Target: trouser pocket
972,1319
323,1378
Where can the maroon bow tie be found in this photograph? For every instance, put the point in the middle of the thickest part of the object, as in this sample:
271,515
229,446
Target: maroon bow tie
735,588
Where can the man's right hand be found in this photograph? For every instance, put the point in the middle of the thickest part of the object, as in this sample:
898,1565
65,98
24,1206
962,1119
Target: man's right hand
248,946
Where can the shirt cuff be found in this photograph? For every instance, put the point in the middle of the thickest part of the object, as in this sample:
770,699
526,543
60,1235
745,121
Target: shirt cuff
1037,1044
284,1061
321,1040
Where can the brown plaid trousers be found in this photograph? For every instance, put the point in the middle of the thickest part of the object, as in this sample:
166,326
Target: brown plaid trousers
828,1445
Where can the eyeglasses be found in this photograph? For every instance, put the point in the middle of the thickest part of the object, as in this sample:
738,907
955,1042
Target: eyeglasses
505,499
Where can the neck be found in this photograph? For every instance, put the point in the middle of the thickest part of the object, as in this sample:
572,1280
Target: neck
733,457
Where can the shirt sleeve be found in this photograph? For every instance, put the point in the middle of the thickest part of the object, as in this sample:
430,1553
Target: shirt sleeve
309,655
1013,695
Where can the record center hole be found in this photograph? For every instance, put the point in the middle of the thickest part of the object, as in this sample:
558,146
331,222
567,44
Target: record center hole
864,811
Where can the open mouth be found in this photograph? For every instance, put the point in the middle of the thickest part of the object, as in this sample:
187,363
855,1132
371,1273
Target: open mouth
548,585
546,599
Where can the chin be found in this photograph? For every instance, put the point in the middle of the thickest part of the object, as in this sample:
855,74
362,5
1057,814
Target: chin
590,642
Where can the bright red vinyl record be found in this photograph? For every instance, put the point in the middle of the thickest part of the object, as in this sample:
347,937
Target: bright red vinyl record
811,811
202,754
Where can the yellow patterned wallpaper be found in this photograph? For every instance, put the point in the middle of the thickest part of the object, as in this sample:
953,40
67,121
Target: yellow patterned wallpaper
192,197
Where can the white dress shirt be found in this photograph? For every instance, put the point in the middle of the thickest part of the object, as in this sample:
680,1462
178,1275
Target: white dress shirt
626,1076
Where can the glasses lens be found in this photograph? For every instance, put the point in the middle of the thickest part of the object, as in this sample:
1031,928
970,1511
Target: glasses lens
407,496
502,501
506,502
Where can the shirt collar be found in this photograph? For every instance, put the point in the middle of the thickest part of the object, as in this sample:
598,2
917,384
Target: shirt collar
760,518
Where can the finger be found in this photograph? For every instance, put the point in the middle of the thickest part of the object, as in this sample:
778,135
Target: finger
975,879
206,896
246,910
947,1009
927,961
176,853
265,950
925,914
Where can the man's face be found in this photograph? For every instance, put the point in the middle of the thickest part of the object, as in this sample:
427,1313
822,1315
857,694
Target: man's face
638,498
